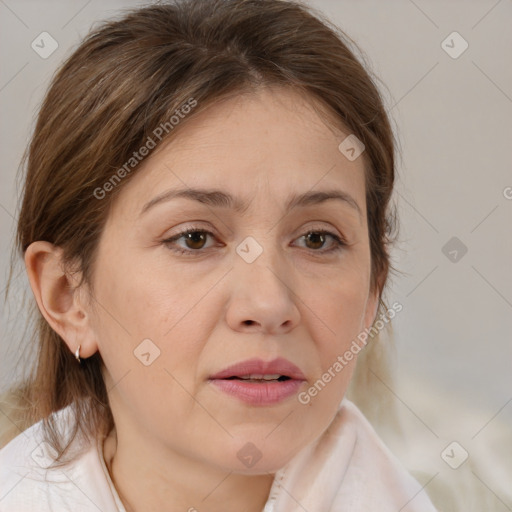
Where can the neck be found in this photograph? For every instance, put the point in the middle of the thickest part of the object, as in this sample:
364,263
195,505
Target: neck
146,483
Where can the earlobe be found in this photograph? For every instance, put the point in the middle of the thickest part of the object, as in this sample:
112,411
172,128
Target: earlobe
57,296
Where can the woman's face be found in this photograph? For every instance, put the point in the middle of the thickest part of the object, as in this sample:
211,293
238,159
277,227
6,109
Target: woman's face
251,284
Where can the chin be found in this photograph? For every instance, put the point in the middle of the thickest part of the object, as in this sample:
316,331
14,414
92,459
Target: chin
259,454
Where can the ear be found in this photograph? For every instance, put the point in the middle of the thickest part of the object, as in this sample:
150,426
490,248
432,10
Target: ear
58,297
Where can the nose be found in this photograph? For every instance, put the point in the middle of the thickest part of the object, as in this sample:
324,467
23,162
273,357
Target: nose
262,299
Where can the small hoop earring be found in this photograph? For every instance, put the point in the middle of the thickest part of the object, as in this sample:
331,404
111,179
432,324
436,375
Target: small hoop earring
77,353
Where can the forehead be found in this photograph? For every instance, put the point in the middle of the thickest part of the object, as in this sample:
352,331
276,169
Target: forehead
273,141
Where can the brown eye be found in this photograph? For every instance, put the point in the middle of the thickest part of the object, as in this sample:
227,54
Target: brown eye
315,240
191,241
195,239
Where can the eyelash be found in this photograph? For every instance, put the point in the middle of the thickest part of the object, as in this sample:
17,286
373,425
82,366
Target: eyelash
339,243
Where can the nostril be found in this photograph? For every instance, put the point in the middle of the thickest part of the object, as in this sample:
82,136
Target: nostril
248,322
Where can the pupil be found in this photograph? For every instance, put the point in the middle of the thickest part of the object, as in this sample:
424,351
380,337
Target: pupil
192,237
317,238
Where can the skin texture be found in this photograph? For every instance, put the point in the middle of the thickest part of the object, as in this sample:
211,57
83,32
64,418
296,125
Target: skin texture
176,438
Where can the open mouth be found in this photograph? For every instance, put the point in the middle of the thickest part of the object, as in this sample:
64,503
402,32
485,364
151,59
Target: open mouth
259,382
260,378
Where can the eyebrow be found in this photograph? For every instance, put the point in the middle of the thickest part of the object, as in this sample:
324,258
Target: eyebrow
220,199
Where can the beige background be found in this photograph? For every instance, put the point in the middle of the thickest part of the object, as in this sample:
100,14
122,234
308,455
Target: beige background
454,122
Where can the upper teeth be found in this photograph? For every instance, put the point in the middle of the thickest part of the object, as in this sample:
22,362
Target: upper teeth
259,376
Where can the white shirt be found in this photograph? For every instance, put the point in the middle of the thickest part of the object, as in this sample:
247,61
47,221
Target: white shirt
347,469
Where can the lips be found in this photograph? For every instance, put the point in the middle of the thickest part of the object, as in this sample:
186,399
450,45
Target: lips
257,370
260,383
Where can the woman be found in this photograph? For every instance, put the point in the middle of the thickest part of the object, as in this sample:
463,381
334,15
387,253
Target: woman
205,227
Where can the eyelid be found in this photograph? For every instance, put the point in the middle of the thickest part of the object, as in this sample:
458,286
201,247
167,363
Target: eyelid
321,228
339,241
191,229
192,226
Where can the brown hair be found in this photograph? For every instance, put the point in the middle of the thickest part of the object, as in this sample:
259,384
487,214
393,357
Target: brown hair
127,78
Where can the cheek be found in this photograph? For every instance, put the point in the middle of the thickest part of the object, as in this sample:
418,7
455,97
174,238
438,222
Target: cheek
339,296
337,309
336,319
150,340
343,319
142,300
139,302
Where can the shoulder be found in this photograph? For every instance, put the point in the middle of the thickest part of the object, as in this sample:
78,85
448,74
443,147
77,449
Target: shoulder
374,478
30,479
